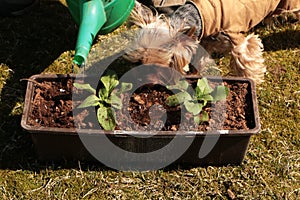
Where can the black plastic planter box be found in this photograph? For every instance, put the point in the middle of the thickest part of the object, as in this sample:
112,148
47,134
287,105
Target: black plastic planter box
56,144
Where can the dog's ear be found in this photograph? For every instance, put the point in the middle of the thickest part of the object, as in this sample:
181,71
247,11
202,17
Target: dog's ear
191,32
183,47
142,15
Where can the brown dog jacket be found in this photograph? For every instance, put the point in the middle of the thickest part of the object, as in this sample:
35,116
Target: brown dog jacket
230,17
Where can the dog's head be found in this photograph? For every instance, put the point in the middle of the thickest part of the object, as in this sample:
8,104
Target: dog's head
160,41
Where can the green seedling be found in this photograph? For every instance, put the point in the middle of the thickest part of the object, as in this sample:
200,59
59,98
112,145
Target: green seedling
196,102
106,98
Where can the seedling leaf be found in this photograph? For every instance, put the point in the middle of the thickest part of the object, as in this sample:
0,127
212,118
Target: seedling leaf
193,107
203,94
107,98
91,100
85,86
106,118
116,101
180,85
220,93
203,86
197,119
172,101
125,87
205,98
179,98
204,116
103,94
109,81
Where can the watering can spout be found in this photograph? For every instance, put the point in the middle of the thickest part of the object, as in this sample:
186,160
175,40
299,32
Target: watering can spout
90,15
95,16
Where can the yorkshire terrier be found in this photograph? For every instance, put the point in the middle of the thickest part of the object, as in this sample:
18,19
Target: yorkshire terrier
218,25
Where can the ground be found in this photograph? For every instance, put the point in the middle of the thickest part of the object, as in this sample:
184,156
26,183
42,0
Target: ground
43,41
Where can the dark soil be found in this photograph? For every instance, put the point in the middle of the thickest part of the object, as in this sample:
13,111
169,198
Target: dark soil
145,109
52,104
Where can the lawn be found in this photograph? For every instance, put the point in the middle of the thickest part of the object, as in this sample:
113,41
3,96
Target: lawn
43,41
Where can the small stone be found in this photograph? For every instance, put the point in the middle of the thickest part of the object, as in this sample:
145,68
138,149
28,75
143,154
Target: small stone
230,194
138,99
173,128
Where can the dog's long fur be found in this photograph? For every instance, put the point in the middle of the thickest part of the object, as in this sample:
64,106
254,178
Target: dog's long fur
161,43
247,58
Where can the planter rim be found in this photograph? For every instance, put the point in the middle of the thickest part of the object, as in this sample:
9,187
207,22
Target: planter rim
120,133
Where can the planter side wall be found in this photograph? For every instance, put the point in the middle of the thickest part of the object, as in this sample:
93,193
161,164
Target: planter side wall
59,147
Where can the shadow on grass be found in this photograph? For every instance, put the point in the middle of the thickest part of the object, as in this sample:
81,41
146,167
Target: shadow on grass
29,43
288,39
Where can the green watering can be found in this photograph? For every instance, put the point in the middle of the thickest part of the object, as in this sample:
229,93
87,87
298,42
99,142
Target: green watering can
93,17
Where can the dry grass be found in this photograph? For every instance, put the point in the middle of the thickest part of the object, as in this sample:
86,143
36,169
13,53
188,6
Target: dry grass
43,42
